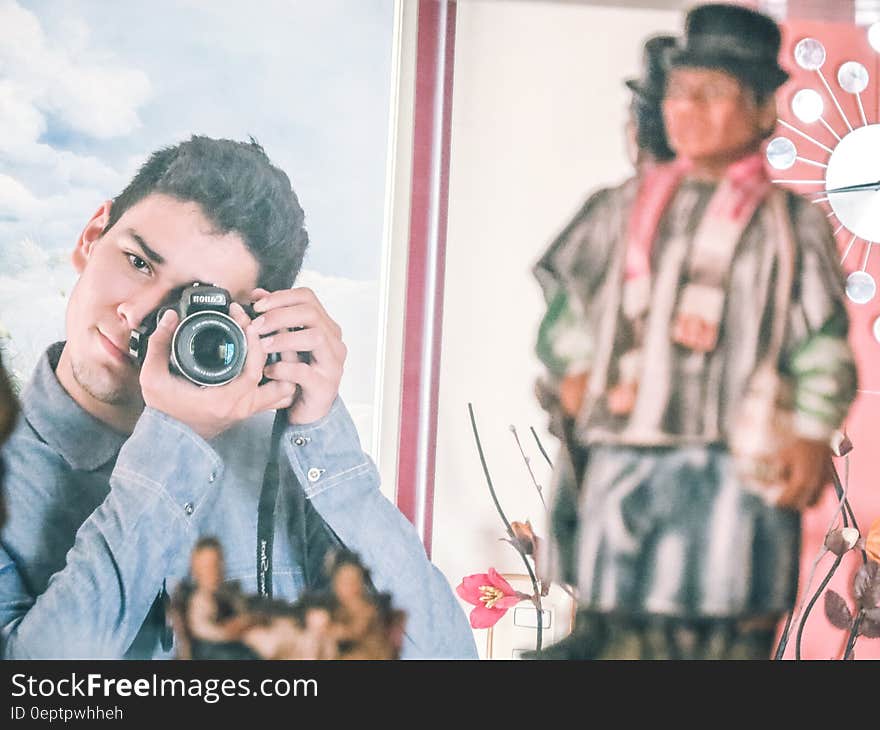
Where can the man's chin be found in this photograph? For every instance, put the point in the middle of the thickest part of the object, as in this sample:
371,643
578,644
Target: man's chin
107,389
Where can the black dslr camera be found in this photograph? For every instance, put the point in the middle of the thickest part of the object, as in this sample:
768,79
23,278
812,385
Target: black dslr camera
208,347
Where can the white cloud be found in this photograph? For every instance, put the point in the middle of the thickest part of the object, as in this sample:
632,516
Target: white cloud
61,82
16,201
83,86
21,123
34,286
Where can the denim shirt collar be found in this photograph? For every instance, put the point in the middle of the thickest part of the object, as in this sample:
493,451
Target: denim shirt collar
84,442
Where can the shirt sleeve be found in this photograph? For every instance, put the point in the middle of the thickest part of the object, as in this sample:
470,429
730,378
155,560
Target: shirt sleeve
342,484
97,602
818,356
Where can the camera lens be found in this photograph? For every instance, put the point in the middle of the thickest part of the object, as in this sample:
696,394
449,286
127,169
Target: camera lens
212,348
209,348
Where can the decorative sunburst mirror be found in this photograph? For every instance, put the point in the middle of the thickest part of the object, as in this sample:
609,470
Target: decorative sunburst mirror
848,180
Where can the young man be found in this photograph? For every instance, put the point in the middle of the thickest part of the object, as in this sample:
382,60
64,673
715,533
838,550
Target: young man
718,370
114,472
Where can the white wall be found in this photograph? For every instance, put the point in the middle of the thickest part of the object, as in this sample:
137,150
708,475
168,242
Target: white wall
538,113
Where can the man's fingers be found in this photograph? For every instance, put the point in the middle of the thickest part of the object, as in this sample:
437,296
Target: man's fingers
293,372
300,340
274,395
159,344
323,349
287,298
236,311
322,342
294,298
256,358
298,315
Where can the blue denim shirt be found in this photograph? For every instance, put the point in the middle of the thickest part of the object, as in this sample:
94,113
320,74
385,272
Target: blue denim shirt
97,521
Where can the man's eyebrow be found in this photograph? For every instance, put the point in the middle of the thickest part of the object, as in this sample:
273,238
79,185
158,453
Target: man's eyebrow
150,253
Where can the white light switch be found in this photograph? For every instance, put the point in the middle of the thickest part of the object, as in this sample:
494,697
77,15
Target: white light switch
528,618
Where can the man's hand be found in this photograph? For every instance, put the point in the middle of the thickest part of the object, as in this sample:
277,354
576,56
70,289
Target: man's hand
804,467
211,410
321,337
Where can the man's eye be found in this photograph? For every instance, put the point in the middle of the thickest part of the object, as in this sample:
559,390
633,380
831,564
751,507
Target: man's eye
138,263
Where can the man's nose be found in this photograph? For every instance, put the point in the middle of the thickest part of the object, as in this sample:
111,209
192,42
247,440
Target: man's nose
135,309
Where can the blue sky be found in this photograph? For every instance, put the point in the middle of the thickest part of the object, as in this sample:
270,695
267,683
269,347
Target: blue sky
310,80
88,88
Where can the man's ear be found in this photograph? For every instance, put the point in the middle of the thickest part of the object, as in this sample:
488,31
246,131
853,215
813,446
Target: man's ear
91,233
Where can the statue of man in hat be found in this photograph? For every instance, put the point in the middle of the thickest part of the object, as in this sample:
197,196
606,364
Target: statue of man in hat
718,368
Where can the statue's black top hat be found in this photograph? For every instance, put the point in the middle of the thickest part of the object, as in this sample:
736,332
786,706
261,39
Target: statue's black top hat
654,62
740,41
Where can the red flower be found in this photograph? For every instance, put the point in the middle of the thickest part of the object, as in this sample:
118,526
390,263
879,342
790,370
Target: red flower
491,594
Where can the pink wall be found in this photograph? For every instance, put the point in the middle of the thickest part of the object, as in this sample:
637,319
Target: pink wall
843,42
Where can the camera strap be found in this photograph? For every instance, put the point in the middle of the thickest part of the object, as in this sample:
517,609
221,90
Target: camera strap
266,509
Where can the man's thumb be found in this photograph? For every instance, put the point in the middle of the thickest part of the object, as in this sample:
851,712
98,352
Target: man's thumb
159,343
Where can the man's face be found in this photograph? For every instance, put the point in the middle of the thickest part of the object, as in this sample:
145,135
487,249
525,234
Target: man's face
710,117
157,245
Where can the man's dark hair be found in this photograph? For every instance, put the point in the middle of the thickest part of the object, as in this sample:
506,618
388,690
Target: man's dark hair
239,190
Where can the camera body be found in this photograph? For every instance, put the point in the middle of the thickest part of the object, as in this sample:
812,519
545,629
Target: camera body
208,347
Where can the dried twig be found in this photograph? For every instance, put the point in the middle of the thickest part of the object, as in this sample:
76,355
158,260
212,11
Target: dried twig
536,598
528,463
541,446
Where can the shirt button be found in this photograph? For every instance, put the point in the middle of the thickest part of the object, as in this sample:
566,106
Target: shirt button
188,508
314,474
301,440
212,476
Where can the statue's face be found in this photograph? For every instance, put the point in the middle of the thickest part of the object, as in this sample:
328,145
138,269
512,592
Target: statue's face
207,568
348,583
710,117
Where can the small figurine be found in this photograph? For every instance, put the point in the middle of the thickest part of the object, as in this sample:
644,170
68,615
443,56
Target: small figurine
363,624
208,614
347,620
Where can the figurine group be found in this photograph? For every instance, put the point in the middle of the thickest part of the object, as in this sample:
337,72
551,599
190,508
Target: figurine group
214,619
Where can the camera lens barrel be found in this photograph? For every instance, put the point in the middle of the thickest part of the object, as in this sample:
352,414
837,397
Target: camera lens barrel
209,348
